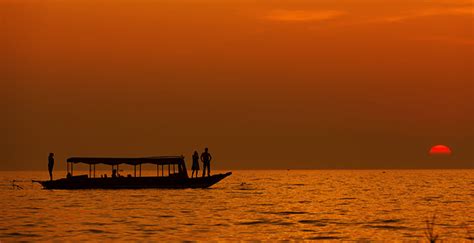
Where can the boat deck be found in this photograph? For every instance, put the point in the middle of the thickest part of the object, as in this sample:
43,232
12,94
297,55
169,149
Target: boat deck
171,182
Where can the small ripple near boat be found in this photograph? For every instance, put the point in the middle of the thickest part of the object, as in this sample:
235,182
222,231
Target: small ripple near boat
175,175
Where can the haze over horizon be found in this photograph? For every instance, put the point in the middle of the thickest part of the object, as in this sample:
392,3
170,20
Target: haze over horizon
264,84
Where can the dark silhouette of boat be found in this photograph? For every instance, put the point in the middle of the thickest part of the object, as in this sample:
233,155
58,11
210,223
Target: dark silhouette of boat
170,173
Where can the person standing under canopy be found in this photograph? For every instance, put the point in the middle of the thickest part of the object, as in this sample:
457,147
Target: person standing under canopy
50,165
195,166
206,160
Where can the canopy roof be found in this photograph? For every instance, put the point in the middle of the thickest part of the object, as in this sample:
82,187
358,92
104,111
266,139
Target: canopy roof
159,160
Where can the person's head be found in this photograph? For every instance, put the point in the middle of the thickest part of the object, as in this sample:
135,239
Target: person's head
195,152
51,154
206,149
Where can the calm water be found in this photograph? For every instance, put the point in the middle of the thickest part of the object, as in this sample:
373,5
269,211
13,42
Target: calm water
249,205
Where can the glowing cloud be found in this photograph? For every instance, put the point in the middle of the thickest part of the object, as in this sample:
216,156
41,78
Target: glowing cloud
302,15
431,12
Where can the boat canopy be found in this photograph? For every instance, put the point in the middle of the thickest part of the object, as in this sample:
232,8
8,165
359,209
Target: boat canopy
157,160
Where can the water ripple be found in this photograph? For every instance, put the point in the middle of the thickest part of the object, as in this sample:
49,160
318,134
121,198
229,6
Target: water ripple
249,205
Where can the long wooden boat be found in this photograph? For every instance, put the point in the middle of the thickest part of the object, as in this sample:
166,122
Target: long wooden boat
170,173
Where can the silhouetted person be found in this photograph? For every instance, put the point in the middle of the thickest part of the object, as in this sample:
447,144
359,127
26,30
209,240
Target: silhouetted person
50,165
114,173
206,161
195,166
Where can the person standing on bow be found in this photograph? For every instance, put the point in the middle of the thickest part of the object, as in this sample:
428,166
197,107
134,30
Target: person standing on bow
206,160
50,165
195,166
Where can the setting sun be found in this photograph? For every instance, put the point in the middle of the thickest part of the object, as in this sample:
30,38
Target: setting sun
440,150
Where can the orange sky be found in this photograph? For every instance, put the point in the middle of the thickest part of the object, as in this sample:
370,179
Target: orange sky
264,84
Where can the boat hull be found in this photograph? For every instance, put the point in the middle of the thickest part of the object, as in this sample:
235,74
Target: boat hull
170,182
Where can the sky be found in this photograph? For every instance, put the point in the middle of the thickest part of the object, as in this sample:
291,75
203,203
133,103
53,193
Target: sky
265,84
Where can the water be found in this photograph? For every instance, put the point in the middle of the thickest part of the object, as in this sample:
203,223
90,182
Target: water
249,205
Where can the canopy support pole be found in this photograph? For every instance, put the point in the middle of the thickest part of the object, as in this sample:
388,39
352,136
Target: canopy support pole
157,170
90,170
140,170
94,170
134,170
169,169
72,169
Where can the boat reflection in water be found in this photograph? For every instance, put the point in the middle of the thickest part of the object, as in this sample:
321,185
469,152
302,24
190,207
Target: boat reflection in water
177,176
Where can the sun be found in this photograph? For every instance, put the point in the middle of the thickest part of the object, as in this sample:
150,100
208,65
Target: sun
440,150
